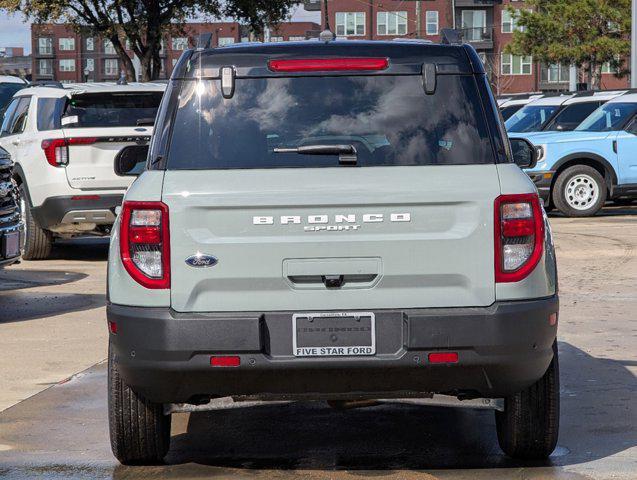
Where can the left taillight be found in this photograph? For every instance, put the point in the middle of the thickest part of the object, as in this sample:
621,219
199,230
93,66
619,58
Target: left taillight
519,236
144,243
56,150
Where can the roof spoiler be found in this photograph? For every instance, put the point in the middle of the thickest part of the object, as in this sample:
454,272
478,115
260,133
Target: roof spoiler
451,36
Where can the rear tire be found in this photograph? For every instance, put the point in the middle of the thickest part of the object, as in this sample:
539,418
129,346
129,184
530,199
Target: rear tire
528,428
579,191
139,430
38,242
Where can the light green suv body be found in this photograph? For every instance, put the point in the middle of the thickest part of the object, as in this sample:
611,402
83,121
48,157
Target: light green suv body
331,221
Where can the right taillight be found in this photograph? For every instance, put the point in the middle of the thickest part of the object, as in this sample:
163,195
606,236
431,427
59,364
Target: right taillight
519,236
144,243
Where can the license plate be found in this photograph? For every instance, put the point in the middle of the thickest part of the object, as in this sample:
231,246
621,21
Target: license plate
334,334
11,245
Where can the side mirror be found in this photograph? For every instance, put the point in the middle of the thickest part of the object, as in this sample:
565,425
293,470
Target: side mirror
524,153
131,160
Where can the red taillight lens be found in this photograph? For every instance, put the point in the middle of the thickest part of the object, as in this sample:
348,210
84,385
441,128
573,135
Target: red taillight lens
144,243
519,236
56,149
226,361
443,357
327,64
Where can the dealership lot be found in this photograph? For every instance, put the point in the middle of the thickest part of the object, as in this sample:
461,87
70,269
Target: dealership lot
52,326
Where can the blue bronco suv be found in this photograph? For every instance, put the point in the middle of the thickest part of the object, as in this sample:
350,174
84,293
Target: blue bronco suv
578,171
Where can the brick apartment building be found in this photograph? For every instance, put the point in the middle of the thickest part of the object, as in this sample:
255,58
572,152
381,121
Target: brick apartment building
60,53
486,24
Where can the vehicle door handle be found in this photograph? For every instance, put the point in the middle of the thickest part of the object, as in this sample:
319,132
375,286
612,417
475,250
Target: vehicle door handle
615,146
16,142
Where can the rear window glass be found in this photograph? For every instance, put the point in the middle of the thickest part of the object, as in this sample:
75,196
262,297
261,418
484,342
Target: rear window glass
389,120
531,118
6,92
113,109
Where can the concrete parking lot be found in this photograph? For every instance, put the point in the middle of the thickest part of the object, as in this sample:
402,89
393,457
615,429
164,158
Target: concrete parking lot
53,388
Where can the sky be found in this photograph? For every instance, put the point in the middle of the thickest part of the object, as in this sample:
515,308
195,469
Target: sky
15,32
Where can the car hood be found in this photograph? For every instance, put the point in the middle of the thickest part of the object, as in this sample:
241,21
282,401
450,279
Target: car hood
540,138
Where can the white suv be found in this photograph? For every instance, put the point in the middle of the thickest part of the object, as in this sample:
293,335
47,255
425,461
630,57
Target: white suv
63,140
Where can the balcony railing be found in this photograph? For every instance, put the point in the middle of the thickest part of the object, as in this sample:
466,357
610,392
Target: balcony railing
480,37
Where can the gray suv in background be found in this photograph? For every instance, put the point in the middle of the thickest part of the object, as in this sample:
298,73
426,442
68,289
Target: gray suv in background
333,221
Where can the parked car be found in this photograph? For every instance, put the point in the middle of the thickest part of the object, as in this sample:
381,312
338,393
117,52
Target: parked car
63,140
316,220
10,222
579,171
511,104
561,114
8,86
557,113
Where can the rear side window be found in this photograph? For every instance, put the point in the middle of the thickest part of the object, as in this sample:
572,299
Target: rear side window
571,116
507,112
49,113
113,109
389,120
531,118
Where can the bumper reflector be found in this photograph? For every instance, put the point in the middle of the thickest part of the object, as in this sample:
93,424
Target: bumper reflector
443,357
112,327
228,361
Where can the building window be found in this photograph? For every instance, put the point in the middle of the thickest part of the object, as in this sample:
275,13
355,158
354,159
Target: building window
90,64
516,64
296,38
276,39
109,49
90,44
44,67
510,22
431,27
350,23
610,69
67,65
179,43
555,73
111,67
225,41
45,46
67,43
391,23
474,25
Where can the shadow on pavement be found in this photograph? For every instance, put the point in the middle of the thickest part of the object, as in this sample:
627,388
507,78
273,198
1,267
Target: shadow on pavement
13,279
19,306
609,210
85,249
599,412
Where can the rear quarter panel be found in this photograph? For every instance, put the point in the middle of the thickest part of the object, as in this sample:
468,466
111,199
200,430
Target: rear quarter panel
122,289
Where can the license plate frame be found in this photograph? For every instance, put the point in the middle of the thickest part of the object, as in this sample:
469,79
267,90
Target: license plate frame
10,245
332,324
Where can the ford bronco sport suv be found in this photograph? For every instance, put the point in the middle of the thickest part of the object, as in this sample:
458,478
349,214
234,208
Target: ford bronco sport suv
333,221
63,140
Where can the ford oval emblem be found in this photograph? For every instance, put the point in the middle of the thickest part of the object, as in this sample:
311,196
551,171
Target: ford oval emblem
201,260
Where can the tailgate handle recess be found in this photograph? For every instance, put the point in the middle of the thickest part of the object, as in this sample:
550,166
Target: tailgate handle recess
333,281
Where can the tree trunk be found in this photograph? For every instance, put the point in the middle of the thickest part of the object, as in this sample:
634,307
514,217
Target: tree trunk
596,76
146,61
125,60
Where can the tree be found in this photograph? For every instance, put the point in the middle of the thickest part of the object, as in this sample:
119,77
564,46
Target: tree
585,33
144,22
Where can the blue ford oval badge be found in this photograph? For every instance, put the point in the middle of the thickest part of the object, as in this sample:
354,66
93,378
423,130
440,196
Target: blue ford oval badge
201,260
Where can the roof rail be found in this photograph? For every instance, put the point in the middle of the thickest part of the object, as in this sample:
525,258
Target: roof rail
46,83
451,36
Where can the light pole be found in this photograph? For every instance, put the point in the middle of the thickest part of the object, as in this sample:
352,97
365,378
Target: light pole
633,47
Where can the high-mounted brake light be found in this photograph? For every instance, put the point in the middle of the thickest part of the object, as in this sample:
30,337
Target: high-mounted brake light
519,236
328,64
144,243
56,150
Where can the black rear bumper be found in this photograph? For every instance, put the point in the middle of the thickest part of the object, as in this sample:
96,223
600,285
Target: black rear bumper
54,209
502,349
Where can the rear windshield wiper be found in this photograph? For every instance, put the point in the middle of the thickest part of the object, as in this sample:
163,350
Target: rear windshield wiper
346,153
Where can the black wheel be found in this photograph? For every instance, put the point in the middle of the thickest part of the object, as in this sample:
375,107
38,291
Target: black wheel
529,426
140,432
38,242
579,191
